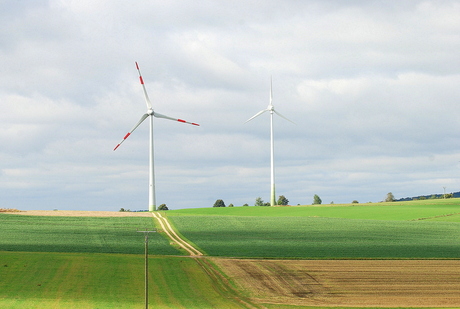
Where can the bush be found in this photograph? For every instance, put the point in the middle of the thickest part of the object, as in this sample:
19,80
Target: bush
163,207
355,202
259,202
390,197
316,200
219,203
282,200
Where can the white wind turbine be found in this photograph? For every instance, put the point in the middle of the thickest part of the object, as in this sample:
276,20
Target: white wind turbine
150,113
272,110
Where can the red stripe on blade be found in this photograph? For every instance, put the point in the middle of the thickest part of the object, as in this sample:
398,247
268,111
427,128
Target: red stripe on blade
137,66
180,120
116,147
142,81
127,136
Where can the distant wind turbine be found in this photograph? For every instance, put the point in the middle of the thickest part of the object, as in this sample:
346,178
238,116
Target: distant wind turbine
150,112
272,110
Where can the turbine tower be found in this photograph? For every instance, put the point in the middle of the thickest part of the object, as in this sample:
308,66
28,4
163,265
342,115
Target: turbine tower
150,113
272,110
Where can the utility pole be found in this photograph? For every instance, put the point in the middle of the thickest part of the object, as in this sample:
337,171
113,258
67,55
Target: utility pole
444,192
146,235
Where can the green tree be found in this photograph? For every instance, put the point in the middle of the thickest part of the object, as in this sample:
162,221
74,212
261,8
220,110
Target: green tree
163,207
219,203
282,200
390,197
259,202
355,202
230,205
316,200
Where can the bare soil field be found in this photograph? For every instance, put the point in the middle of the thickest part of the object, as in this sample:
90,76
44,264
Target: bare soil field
360,283
80,213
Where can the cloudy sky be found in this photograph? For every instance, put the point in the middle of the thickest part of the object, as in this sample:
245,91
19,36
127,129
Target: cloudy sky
373,87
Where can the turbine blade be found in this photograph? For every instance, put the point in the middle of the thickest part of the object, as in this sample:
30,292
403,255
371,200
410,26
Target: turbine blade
271,92
129,133
174,119
258,114
283,117
147,100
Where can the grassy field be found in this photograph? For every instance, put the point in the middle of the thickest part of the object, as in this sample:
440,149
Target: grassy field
421,229
440,210
83,280
91,262
80,234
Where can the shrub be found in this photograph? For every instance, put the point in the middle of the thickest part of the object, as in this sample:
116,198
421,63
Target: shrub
282,200
163,207
316,200
259,202
219,203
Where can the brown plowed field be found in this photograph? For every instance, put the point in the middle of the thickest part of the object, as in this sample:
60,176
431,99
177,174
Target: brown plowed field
361,283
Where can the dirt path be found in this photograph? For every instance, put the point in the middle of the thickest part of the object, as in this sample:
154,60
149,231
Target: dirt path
174,237
360,283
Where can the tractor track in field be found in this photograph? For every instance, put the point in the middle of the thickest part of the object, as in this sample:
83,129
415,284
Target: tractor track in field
344,283
220,282
192,251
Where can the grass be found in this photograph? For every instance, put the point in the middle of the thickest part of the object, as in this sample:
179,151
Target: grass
300,237
80,234
413,210
381,230
69,262
83,280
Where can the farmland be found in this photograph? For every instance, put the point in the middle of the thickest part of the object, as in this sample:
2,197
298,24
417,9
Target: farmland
79,234
330,255
384,230
76,280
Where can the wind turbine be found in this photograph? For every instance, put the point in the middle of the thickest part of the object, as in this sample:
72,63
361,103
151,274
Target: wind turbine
272,110
150,113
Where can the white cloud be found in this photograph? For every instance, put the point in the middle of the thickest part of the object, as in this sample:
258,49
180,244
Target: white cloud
372,86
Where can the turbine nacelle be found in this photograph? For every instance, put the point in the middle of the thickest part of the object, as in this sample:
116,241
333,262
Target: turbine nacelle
270,108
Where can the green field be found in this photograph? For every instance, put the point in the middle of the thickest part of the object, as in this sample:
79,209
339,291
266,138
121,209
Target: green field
442,210
77,280
419,229
80,234
87,262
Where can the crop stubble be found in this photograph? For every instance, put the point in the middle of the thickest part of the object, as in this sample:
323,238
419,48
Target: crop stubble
379,283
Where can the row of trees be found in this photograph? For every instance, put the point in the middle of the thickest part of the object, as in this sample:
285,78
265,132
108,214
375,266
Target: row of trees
282,200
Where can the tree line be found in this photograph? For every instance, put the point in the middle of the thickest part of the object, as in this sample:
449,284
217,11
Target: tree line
282,200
